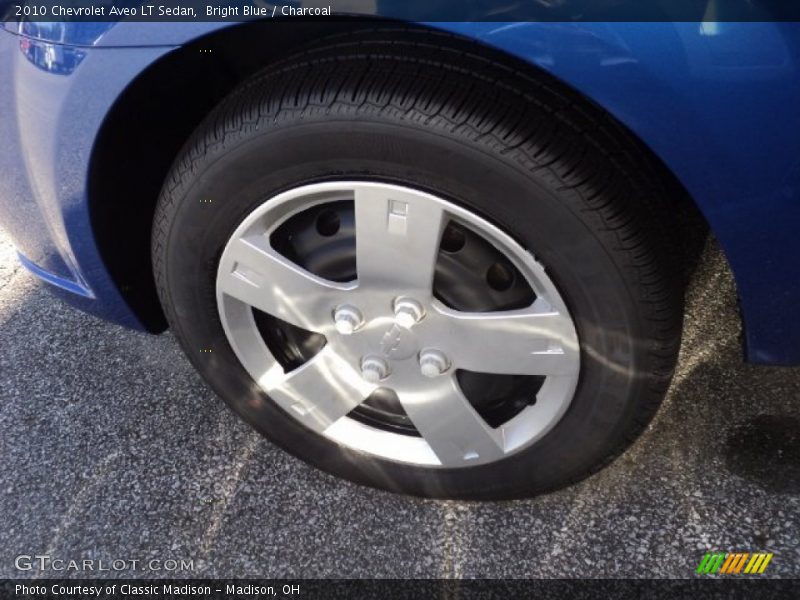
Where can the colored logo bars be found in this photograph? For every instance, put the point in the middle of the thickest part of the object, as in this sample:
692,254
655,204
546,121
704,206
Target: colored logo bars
733,563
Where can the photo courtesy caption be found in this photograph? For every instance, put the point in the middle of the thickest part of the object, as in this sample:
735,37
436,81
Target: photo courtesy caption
126,589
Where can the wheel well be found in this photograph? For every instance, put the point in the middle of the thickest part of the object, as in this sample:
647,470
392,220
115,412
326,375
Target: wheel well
148,125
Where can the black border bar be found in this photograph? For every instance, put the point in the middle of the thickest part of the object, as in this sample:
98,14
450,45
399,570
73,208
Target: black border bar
406,10
733,588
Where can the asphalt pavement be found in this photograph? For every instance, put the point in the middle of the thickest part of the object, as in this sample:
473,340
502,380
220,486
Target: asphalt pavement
112,448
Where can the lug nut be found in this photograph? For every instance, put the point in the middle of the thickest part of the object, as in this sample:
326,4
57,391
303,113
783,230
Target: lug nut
347,319
433,363
408,311
374,368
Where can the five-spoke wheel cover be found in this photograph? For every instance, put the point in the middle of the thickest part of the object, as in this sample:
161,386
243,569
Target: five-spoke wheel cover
387,329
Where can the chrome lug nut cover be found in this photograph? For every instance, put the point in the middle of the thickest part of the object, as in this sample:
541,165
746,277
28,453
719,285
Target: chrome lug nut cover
374,368
407,312
433,363
347,319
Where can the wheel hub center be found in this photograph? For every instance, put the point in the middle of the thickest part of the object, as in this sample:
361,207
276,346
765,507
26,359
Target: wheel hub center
399,343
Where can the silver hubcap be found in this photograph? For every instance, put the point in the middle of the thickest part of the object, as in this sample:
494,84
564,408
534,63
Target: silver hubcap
386,329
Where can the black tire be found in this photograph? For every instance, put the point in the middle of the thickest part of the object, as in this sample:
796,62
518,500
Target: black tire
539,161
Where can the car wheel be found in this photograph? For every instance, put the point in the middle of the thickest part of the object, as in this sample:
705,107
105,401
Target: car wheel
434,276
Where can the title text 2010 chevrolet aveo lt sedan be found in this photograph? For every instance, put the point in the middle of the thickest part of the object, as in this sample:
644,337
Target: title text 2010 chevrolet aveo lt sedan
441,259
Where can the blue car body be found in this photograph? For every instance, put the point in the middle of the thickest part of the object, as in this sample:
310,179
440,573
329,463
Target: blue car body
716,102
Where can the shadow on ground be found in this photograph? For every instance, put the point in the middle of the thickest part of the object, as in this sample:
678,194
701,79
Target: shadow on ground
766,451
